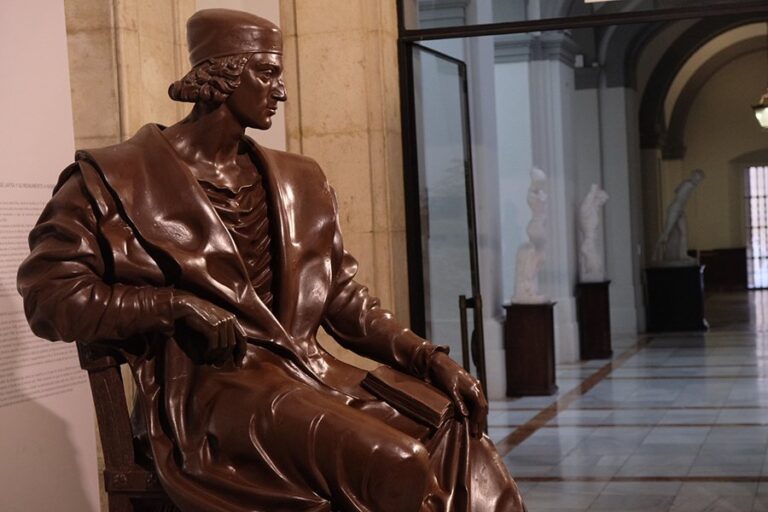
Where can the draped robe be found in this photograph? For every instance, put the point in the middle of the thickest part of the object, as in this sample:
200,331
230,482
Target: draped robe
289,430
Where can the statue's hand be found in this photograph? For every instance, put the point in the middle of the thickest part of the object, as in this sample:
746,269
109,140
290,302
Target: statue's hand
465,390
224,335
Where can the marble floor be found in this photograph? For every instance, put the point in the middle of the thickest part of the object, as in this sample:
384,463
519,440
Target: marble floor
674,422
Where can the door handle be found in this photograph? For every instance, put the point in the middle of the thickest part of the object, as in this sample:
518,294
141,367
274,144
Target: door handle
465,351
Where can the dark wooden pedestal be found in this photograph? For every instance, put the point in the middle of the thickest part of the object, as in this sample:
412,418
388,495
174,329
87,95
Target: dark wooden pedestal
593,309
675,298
529,343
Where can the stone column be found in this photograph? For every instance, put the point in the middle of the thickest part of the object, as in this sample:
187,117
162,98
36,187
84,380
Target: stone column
343,110
653,207
122,57
552,90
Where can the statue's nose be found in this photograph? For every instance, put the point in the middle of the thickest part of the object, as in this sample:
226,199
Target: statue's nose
279,92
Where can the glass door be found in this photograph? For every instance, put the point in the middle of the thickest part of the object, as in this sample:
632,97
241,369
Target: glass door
451,289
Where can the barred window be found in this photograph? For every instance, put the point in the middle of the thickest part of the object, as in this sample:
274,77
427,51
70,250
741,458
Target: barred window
756,179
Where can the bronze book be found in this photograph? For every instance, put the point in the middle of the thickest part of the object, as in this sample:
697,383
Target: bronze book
409,395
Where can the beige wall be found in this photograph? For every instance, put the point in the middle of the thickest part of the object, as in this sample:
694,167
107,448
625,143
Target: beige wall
720,128
123,55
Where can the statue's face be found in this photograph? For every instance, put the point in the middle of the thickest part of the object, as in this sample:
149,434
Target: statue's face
261,88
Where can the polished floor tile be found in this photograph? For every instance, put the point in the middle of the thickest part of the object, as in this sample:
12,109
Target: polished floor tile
563,496
504,418
689,417
695,497
675,422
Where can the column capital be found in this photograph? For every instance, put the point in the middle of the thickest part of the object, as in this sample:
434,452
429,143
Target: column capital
527,47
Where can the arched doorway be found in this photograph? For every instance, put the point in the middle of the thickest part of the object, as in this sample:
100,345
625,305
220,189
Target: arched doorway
695,115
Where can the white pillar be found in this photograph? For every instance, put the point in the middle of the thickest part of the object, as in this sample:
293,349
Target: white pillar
623,241
552,88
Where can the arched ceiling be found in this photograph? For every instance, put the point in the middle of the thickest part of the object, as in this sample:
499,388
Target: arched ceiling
705,40
691,83
691,52
713,49
667,63
618,49
649,55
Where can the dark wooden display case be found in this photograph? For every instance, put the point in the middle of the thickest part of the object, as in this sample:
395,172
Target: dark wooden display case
594,314
529,343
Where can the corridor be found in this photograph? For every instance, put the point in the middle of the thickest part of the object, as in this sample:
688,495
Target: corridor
674,422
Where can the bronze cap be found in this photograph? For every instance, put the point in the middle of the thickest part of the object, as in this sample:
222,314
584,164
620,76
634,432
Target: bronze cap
220,32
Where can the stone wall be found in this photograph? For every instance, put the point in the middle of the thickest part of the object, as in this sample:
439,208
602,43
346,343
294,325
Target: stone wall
123,55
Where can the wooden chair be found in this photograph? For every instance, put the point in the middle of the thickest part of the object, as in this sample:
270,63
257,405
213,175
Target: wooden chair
131,485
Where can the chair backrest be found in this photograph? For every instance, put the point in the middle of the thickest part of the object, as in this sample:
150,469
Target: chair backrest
123,476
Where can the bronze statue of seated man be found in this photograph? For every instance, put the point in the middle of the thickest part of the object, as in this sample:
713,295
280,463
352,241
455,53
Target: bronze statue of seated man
210,262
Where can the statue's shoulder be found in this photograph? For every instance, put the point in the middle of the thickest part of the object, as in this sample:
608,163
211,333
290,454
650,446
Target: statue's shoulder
291,166
87,160
117,158
291,159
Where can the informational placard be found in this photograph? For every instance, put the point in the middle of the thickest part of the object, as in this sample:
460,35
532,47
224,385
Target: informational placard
47,429
29,369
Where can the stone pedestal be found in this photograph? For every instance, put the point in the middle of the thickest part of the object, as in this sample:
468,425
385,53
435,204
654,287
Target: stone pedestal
593,307
529,343
675,298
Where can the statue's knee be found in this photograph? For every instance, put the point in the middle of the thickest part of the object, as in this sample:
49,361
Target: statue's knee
415,458
403,476
402,452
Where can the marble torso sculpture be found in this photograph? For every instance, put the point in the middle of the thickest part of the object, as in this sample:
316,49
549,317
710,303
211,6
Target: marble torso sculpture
210,262
591,250
672,245
530,254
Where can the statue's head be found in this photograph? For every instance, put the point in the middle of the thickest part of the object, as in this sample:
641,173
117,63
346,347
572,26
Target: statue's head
697,175
236,60
538,176
598,195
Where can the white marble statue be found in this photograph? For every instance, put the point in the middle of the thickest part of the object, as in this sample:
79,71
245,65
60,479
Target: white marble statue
530,255
591,253
672,245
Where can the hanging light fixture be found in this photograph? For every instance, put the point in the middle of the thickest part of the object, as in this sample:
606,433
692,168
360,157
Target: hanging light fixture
761,109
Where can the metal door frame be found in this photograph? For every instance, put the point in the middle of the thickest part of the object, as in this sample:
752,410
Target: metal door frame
473,347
